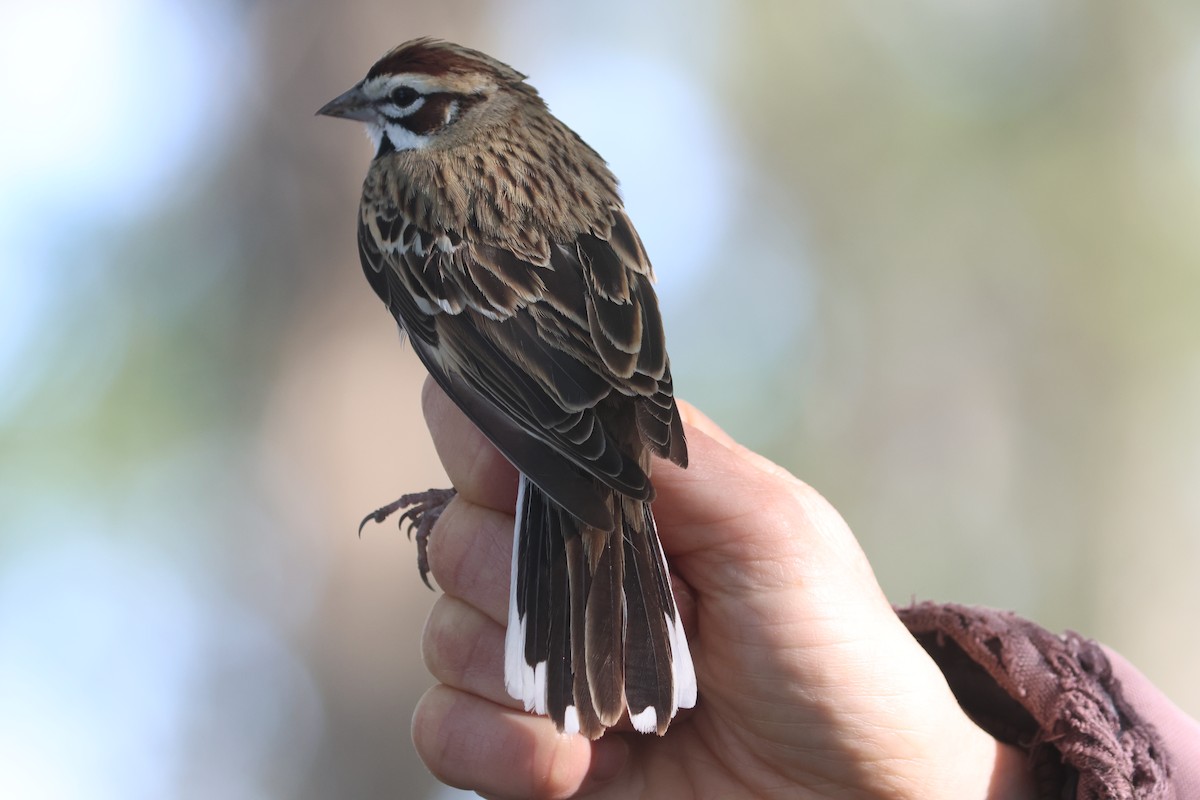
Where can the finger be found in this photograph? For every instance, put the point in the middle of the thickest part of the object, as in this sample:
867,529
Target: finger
475,467
712,489
695,418
470,556
464,649
732,518
471,743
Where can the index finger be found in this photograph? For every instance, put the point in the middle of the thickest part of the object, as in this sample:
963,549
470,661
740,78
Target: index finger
478,471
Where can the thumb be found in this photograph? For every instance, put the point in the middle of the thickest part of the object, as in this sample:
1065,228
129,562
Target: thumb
734,515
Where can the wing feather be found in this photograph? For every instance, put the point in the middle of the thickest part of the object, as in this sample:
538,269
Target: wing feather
530,350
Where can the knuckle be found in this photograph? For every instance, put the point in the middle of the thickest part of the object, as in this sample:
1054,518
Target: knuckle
442,544
437,640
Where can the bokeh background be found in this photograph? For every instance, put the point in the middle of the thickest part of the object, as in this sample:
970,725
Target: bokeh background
940,259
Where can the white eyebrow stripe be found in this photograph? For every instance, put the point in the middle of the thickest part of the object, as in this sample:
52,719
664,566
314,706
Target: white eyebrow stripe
421,83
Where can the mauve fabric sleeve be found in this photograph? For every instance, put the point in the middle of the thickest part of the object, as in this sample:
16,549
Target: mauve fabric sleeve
1093,726
1180,733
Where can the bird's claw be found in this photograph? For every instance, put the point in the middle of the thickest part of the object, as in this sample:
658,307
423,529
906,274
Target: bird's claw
422,512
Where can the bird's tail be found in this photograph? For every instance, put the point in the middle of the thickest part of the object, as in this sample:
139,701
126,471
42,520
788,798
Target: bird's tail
592,624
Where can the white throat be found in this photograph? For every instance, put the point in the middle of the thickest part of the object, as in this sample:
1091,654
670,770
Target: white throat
400,137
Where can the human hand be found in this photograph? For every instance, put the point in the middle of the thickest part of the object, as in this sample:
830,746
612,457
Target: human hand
809,684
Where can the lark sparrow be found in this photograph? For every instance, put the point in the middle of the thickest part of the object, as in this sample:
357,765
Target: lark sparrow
498,240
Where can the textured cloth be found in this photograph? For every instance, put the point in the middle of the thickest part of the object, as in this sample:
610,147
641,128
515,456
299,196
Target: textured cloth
1093,726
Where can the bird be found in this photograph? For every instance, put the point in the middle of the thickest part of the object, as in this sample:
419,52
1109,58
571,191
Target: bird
498,240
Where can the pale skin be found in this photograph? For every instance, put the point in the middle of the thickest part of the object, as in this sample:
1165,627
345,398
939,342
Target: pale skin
809,684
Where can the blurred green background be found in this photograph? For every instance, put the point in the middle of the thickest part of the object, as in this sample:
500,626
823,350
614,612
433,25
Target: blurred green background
941,260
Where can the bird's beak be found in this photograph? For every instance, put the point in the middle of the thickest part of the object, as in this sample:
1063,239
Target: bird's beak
352,104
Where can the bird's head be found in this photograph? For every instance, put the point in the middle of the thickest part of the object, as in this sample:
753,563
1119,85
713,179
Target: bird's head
430,93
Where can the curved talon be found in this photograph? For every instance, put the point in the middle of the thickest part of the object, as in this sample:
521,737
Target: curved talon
412,516
422,513
380,514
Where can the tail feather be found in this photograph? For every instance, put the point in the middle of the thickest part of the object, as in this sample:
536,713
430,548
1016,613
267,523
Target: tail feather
537,662
560,689
604,625
593,629
682,669
582,711
651,687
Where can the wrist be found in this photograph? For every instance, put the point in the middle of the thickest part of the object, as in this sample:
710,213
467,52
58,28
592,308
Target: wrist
989,769
954,758
1011,775
975,765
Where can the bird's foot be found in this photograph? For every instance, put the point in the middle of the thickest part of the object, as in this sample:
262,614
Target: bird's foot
423,510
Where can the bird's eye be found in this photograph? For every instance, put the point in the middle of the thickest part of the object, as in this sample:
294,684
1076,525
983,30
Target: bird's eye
403,96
